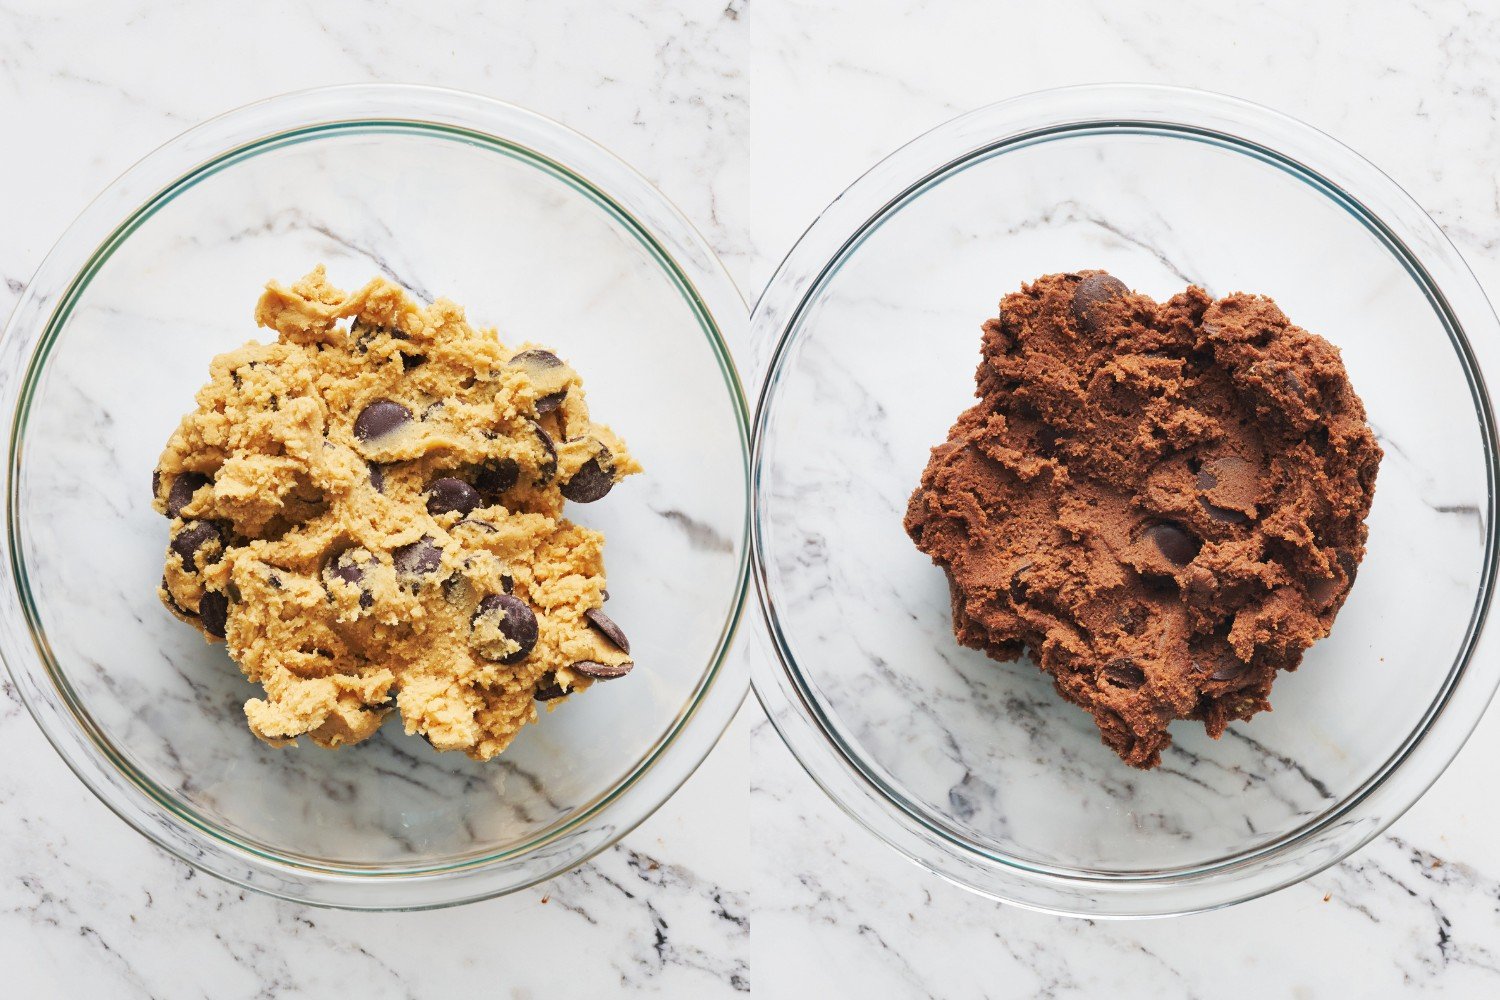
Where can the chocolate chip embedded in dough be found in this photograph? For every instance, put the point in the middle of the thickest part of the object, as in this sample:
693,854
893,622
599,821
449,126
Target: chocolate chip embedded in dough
183,487
213,609
346,566
410,361
377,477
536,360
548,689
601,671
503,622
591,482
155,484
1223,515
608,628
1174,542
551,401
495,477
1092,293
172,601
1123,672
548,468
448,494
196,537
380,419
420,558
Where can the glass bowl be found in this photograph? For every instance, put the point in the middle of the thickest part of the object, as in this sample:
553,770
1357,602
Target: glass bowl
977,770
536,231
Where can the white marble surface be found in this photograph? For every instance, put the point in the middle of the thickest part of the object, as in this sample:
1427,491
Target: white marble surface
751,116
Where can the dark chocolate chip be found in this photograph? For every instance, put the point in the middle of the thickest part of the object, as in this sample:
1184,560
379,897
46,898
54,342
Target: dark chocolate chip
602,671
476,523
548,468
551,401
1122,672
155,483
172,601
377,477
213,608
537,359
410,361
183,488
380,418
1018,582
194,536
1229,668
1092,292
547,688
346,567
419,558
1224,515
591,482
604,594
1174,542
514,620
447,495
493,478
1348,564
606,625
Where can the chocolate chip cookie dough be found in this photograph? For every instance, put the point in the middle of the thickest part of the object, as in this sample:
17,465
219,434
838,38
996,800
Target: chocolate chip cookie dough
1163,502
369,513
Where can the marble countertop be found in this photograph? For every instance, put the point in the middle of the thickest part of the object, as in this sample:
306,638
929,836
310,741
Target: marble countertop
752,115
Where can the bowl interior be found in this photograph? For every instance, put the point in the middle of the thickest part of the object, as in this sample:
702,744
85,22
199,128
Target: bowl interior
880,361
527,248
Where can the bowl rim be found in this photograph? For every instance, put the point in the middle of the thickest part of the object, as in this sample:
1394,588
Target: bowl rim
1281,142
683,254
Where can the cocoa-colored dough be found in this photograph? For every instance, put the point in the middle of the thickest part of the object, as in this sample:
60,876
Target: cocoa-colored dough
369,512
1163,503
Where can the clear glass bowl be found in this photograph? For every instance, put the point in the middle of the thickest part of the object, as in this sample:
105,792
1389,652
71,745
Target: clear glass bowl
537,231
977,770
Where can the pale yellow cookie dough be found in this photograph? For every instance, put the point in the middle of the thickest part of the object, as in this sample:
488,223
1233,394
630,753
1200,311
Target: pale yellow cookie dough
369,513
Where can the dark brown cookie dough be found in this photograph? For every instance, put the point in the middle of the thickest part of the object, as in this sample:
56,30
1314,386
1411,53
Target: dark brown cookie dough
1163,503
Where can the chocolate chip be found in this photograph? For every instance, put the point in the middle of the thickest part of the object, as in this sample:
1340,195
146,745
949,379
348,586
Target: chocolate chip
591,482
1348,564
1122,672
1174,542
476,523
493,478
513,619
346,567
601,671
1018,582
155,483
1093,292
551,401
419,558
194,536
183,488
213,608
604,594
536,359
377,477
380,418
1229,668
410,361
548,468
547,688
447,495
606,625
1224,515
172,601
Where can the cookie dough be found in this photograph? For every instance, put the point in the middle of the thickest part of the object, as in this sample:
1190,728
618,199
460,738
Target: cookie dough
1163,503
369,513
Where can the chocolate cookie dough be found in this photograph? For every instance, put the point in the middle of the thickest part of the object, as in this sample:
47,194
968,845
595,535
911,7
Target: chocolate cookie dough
1163,503
369,513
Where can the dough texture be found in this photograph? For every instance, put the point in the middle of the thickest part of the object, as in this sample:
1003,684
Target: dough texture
1163,502
369,513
